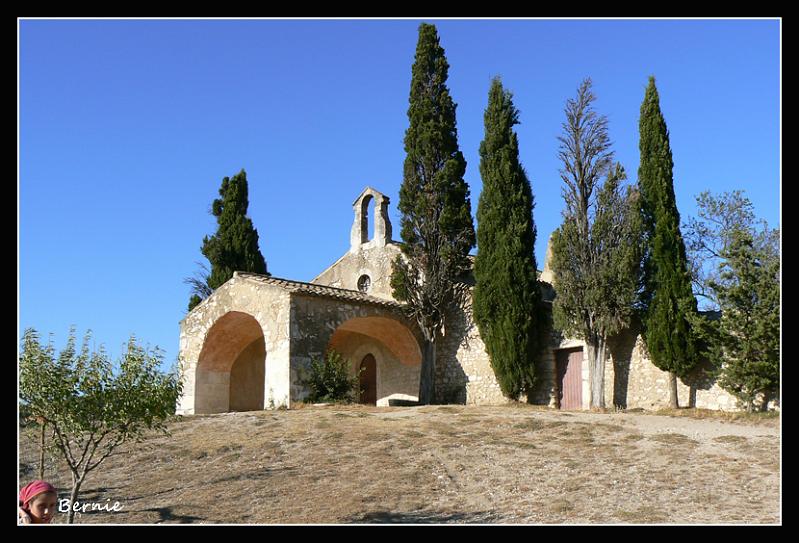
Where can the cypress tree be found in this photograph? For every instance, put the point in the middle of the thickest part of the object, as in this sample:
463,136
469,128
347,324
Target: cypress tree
507,297
234,247
436,220
668,303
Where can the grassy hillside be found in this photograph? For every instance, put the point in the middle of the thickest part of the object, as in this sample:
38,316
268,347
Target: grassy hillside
463,464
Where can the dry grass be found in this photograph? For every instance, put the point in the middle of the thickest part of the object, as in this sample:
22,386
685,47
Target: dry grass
644,515
448,464
677,440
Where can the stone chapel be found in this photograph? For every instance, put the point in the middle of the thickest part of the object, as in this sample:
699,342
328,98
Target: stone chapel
249,345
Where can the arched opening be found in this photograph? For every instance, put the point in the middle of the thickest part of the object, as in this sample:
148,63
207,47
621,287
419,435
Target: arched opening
387,351
367,380
393,334
367,226
372,224
231,366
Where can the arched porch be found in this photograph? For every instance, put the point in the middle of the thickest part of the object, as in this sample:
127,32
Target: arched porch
389,353
230,372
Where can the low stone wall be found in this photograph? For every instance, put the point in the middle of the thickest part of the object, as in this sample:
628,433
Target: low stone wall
638,383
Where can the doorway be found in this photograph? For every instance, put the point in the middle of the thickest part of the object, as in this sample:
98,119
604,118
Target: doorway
570,378
368,380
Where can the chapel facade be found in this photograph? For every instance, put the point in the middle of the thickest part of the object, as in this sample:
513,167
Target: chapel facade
249,345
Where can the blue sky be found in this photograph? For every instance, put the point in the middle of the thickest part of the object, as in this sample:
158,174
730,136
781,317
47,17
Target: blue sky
127,127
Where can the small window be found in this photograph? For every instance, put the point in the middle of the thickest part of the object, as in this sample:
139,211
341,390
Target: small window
364,282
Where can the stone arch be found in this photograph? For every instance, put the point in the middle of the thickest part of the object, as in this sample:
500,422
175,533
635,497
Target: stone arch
231,366
396,351
365,201
390,332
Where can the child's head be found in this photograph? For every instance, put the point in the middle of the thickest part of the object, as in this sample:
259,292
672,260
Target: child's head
39,500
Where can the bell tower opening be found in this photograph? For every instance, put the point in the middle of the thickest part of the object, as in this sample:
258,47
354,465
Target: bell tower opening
367,227
380,232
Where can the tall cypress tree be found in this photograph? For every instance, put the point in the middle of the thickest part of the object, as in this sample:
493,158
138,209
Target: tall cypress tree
436,221
234,247
668,302
507,298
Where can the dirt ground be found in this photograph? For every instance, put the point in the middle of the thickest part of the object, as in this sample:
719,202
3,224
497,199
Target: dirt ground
437,464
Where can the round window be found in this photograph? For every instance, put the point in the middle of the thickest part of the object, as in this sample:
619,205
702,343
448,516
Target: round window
364,282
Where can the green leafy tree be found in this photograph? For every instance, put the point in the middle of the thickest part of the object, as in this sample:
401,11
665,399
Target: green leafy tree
596,250
507,297
667,302
737,272
436,220
234,247
91,408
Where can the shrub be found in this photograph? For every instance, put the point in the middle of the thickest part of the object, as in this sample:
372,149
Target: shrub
330,381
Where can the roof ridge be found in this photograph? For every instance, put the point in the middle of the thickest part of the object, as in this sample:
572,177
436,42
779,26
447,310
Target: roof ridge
314,288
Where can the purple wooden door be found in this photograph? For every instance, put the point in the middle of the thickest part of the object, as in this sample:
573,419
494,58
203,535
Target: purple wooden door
570,378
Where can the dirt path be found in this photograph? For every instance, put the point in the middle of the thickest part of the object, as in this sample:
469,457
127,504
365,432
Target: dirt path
654,424
645,423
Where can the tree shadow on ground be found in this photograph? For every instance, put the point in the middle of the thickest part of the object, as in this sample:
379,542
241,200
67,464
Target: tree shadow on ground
96,493
424,517
253,475
166,515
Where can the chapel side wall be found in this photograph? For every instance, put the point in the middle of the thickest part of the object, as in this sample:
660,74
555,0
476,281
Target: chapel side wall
545,390
648,386
638,383
463,368
620,349
464,373
707,393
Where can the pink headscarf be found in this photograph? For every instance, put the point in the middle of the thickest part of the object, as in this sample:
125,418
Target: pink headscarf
32,490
